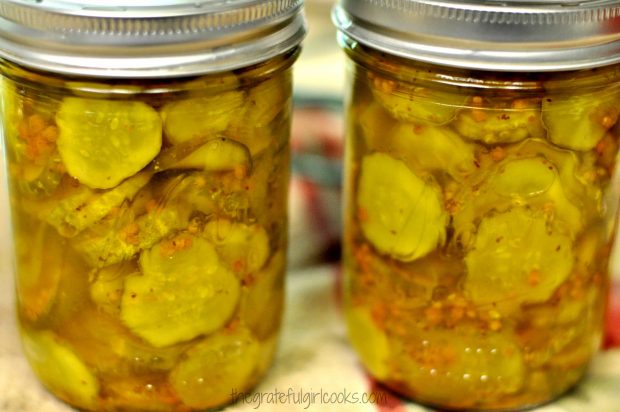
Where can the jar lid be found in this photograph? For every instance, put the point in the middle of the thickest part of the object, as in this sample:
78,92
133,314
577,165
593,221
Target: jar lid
506,35
147,38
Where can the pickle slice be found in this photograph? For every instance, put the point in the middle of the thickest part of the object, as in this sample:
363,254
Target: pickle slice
431,148
244,248
201,117
369,341
401,214
209,372
448,366
417,104
184,292
102,142
217,155
496,124
106,289
578,122
262,298
516,258
60,369
84,207
39,264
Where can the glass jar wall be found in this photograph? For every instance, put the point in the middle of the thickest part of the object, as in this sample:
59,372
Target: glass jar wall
149,220
480,211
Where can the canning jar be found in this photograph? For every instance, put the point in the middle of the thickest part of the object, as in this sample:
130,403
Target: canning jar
147,157
481,194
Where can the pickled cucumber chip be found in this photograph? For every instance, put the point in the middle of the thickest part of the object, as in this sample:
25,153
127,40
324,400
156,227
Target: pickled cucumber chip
201,117
369,341
578,122
216,155
492,124
262,298
39,181
209,372
60,369
244,248
184,292
401,214
516,258
431,148
375,125
82,207
448,366
107,284
103,142
518,181
417,104
39,261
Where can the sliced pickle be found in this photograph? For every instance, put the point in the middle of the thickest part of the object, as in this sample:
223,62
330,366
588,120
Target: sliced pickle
578,122
431,148
244,248
108,348
518,181
516,258
496,124
448,366
401,214
183,292
60,369
369,341
216,155
103,142
262,298
253,127
376,125
39,270
84,207
201,117
39,181
417,104
209,372
111,242
106,289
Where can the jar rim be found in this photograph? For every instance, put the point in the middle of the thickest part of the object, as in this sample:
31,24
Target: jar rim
147,39
509,35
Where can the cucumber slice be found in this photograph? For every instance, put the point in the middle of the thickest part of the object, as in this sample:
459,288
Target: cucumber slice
103,142
578,122
244,248
107,284
262,299
516,258
59,369
218,155
39,253
447,366
417,104
431,148
184,292
369,341
201,117
403,214
495,124
213,369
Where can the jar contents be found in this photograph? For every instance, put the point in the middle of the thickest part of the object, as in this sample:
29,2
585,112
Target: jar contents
479,222
150,232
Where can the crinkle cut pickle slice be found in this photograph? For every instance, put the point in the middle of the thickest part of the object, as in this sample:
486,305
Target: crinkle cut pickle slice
400,214
184,292
102,142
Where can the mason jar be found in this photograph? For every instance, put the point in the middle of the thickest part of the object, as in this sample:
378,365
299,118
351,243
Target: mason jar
147,151
481,194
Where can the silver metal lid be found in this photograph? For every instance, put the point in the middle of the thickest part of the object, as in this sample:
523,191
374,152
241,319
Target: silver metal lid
147,38
507,35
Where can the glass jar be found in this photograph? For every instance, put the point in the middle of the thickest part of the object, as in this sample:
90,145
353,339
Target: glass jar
481,195
147,151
